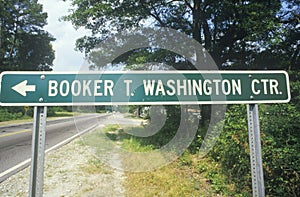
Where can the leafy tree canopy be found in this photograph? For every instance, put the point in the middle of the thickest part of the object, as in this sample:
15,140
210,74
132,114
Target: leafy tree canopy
24,45
239,34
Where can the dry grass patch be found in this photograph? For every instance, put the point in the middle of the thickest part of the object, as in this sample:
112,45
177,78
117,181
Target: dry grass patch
170,180
95,166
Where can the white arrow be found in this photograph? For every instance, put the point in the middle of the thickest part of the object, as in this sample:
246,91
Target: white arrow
22,88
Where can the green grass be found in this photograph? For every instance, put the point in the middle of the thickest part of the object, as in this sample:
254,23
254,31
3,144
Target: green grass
111,128
134,145
174,179
188,175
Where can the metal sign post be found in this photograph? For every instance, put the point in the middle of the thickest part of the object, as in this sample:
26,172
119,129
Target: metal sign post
255,151
38,152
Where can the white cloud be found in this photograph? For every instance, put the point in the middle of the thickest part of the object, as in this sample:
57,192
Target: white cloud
66,58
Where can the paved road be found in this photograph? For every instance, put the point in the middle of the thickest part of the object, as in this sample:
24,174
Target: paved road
15,140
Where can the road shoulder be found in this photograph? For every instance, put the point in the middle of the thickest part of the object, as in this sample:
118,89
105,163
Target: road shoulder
71,170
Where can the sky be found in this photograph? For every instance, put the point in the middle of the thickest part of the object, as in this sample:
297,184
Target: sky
66,58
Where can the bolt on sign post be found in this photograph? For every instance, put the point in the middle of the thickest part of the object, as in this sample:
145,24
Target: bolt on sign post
38,151
255,151
42,89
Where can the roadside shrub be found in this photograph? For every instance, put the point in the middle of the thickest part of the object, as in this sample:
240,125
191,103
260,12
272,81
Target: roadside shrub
10,114
281,149
5,115
280,126
232,150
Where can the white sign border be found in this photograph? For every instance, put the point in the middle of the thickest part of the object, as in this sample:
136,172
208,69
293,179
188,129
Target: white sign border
150,72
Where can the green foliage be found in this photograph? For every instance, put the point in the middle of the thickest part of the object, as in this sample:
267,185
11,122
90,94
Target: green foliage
50,111
136,145
5,115
16,113
24,45
295,88
217,181
185,159
232,150
191,168
57,109
238,34
155,141
137,59
281,149
113,128
280,125
161,137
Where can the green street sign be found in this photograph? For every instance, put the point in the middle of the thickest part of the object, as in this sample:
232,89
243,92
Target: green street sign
143,88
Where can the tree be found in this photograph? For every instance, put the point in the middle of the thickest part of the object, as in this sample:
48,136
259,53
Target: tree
24,45
238,34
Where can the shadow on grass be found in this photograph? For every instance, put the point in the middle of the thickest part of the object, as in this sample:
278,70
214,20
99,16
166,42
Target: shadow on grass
132,137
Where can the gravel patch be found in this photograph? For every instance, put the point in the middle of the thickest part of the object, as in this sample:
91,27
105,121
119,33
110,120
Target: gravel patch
71,170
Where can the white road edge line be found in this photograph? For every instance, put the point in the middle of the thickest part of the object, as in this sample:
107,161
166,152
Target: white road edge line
13,170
